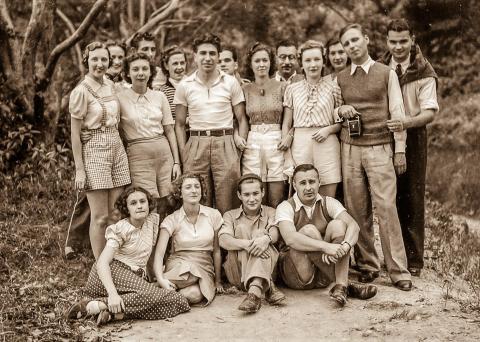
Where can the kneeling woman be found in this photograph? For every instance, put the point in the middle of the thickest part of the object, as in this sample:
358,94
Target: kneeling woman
117,282
194,232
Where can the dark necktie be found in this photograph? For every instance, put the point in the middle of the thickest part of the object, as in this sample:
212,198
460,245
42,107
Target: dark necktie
398,70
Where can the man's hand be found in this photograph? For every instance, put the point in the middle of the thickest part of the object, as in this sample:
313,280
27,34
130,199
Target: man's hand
347,112
259,246
239,142
400,162
322,134
285,143
395,125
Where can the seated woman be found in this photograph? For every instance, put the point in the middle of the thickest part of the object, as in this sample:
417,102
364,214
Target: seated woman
194,232
147,127
117,283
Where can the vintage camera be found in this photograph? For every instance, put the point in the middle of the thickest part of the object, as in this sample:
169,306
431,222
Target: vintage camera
354,126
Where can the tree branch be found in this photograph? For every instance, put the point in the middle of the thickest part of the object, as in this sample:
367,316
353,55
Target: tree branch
69,42
71,30
6,26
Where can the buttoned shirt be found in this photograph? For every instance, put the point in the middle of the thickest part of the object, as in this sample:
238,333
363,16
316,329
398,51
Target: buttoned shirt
280,78
187,236
84,106
395,101
209,108
144,115
237,224
285,211
418,95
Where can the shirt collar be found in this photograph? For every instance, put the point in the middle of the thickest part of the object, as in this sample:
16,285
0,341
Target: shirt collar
299,204
239,212
194,77
203,211
93,84
404,64
135,97
365,66
280,78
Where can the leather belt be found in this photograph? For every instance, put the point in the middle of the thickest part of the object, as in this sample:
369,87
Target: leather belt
212,133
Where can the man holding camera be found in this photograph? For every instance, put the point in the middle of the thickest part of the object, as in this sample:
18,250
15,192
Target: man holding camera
371,91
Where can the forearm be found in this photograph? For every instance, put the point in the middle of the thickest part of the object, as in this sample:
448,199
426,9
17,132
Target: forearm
424,118
231,243
351,235
274,234
105,275
397,110
77,144
172,140
287,123
333,129
181,136
304,243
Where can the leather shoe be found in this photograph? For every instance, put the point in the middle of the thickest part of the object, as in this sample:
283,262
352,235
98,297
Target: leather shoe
361,291
404,285
368,276
415,271
251,303
339,294
274,296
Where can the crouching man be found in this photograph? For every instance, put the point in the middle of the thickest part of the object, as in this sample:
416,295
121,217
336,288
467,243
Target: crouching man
249,234
319,234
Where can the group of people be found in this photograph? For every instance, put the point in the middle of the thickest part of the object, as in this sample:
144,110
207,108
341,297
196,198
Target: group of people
224,147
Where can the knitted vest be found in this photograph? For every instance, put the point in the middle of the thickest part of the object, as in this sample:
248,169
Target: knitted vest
368,94
320,217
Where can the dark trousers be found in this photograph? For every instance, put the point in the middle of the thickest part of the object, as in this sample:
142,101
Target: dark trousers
78,236
411,196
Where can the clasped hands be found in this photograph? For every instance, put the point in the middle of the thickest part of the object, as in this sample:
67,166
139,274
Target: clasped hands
259,247
334,251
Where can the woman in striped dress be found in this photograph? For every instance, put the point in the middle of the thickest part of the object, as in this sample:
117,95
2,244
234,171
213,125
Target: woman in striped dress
309,107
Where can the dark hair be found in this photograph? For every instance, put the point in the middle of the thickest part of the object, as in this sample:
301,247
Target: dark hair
332,41
177,185
308,45
133,57
304,168
169,52
253,50
138,37
121,202
232,49
285,42
121,45
91,47
399,25
249,178
207,38
351,26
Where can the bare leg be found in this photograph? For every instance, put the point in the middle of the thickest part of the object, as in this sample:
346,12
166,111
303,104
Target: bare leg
328,190
113,214
274,192
98,202
192,293
335,233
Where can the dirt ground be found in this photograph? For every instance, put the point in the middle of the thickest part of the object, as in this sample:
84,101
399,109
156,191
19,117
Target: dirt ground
430,312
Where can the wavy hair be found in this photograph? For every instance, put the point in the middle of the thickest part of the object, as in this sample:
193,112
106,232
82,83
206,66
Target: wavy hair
253,50
136,56
121,202
177,185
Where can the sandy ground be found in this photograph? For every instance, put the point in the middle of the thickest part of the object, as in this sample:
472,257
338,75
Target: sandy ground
424,314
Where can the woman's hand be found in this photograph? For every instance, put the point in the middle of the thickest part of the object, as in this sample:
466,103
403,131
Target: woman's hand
240,142
322,134
115,303
176,171
80,177
285,143
166,284
219,287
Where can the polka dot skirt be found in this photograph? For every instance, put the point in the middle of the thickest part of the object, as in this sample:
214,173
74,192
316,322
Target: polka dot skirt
143,300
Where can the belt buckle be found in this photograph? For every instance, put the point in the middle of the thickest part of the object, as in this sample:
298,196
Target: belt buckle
208,133
264,127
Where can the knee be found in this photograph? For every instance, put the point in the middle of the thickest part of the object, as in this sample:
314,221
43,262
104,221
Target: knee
311,231
192,293
336,229
100,219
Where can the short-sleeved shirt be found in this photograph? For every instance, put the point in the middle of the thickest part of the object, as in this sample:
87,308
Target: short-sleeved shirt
133,245
264,104
209,108
84,106
169,90
193,237
313,105
238,225
285,211
144,115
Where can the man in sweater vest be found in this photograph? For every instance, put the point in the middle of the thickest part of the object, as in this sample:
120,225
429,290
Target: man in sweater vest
371,90
319,234
419,88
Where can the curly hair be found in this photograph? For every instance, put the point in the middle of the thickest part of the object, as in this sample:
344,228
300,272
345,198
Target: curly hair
308,45
177,185
121,202
253,50
207,38
133,57
332,41
91,47
121,45
138,37
169,52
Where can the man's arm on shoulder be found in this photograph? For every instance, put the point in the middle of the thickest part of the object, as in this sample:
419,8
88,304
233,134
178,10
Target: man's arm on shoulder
227,238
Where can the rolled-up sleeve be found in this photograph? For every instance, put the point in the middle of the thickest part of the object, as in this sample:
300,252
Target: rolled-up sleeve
397,110
227,226
427,94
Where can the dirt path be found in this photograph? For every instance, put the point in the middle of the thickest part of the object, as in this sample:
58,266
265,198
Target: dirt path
393,315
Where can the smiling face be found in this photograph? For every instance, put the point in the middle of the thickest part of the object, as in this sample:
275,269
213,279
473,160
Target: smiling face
117,54
337,57
399,44
206,57
226,62
306,184
137,205
251,195
286,60
148,47
191,191
355,45
312,63
97,63
261,63
176,66
139,71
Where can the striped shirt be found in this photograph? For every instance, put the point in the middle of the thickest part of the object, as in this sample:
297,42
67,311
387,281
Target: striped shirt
313,105
169,92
